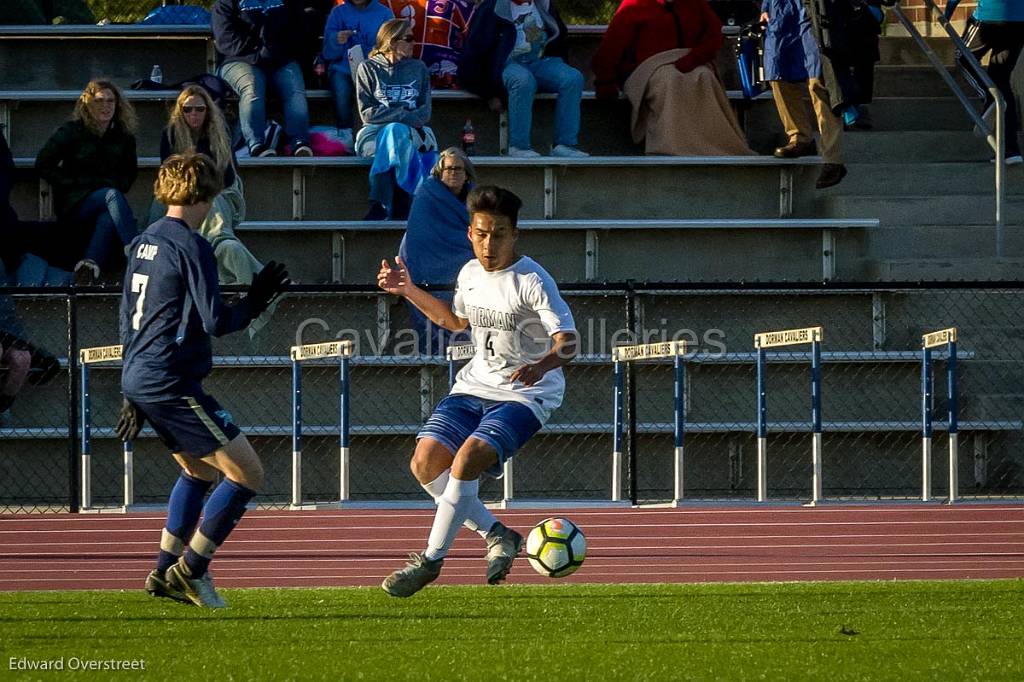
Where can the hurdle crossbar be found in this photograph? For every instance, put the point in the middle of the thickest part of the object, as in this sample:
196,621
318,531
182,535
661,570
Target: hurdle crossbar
342,350
650,351
948,338
88,357
789,337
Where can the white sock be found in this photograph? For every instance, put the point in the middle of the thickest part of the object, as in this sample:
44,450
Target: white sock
479,518
451,512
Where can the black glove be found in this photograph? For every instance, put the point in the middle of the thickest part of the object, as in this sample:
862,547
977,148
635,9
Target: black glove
266,285
130,422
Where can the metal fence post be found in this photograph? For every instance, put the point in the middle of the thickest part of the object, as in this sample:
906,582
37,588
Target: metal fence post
73,405
631,444
816,452
678,426
617,416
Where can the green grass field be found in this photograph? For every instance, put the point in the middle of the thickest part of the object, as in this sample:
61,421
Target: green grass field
823,631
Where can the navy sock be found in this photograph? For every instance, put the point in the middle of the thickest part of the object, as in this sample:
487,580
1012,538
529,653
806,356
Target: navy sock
223,511
183,509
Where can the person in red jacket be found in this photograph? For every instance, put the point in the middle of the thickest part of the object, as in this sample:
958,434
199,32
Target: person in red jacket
641,29
661,54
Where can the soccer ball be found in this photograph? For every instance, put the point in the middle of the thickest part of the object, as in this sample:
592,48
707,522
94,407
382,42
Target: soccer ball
556,547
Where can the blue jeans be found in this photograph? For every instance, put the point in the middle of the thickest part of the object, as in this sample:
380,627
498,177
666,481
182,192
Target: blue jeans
344,97
114,225
549,74
250,82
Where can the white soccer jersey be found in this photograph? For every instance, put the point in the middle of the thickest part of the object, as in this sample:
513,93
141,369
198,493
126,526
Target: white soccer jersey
512,313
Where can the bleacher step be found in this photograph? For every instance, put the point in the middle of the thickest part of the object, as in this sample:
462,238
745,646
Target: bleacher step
921,209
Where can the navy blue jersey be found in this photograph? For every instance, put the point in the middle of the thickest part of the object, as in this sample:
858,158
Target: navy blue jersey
170,308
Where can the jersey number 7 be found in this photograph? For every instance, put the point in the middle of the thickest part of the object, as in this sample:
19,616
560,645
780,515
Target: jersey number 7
139,283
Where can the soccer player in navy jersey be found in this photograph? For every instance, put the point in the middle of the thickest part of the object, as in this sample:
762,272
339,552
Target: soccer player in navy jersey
170,308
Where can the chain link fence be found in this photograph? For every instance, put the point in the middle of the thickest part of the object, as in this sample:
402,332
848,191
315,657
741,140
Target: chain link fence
871,398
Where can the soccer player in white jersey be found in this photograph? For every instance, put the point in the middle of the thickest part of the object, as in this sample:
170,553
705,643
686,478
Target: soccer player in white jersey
524,334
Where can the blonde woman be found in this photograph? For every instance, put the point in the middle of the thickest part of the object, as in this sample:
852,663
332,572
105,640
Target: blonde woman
91,164
393,95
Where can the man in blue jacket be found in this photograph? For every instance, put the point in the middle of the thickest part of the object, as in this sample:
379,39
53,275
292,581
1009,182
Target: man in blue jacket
515,49
257,41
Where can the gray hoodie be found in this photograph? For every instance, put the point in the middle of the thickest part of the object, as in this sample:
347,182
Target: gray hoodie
393,93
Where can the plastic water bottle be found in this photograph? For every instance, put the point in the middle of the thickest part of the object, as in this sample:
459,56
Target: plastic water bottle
156,75
468,138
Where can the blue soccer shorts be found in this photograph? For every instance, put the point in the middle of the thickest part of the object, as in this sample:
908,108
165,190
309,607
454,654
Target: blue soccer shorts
193,423
505,426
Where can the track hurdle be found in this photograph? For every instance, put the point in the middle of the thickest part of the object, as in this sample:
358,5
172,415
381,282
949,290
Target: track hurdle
88,357
456,354
788,337
315,351
649,351
931,340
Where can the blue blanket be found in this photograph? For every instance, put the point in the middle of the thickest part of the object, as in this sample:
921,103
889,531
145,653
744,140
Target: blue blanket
435,245
398,148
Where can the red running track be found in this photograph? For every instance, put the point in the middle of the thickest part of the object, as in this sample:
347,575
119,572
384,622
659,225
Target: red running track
359,547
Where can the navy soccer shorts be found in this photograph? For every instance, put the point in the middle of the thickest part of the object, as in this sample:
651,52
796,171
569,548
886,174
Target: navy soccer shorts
192,424
505,426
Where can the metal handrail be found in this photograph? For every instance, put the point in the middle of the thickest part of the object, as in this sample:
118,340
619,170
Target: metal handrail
997,138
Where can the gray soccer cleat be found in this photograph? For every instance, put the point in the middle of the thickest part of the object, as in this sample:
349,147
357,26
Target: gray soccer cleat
416,575
503,546
157,586
199,591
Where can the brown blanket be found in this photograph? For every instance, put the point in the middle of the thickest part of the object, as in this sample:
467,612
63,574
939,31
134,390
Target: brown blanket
682,114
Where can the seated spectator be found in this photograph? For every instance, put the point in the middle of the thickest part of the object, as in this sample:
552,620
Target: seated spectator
440,31
436,244
197,125
661,53
515,49
257,42
393,91
24,245
352,23
90,163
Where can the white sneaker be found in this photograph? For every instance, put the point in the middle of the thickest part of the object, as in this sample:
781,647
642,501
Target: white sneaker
1014,160
568,152
517,153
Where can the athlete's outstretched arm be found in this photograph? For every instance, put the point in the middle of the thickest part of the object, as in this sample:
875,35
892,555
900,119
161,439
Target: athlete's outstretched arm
201,279
564,348
396,280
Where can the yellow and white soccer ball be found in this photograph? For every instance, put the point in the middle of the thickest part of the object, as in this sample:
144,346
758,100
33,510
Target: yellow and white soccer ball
556,547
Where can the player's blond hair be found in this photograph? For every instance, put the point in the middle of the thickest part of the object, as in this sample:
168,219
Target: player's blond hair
187,179
124,112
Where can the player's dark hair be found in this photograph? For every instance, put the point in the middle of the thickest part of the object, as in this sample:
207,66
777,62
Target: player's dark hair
494,200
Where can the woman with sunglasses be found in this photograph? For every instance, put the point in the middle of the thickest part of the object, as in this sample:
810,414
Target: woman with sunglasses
197,125
91,164
393,96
